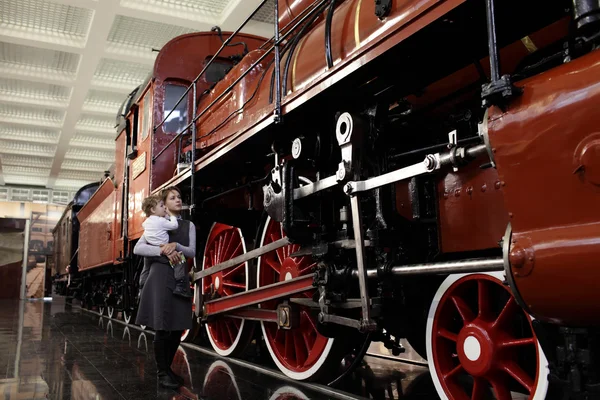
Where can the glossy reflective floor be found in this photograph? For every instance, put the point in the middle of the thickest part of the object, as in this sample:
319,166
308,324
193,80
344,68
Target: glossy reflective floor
56,351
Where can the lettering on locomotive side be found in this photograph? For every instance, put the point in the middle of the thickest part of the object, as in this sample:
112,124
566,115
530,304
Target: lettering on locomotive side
138,166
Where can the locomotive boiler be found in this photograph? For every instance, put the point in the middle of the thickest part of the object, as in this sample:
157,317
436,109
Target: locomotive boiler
378,170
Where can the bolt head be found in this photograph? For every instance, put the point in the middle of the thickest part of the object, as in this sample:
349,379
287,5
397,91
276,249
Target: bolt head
517,257
296,148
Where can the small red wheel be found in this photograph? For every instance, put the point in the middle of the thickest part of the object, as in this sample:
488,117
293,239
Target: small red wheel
227,336
301,353
479,341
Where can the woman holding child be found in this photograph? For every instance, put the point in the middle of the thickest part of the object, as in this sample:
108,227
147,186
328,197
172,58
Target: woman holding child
167,313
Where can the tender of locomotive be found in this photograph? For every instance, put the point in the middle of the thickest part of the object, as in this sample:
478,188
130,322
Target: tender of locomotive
420,169
66,237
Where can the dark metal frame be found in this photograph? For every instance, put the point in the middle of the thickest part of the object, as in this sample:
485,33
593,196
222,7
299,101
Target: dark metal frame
500,89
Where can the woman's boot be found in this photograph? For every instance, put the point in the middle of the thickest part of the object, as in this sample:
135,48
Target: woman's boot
173,345
161,354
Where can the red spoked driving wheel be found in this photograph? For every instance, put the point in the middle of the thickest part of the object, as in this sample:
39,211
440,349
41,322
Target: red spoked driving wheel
301,352
227,335
480,342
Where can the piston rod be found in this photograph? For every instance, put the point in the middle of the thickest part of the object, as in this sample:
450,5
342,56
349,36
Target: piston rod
447,267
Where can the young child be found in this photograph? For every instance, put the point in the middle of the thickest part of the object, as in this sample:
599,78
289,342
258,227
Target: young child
156,226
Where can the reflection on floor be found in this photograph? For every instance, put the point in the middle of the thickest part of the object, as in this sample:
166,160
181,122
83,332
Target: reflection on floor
55,351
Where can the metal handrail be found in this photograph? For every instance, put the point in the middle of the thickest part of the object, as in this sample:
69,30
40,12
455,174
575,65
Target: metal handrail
281,39
310,9
274,47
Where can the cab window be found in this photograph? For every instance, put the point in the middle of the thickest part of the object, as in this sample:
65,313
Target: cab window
178,120
147,115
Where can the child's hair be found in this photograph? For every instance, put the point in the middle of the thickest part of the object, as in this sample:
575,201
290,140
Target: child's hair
149,203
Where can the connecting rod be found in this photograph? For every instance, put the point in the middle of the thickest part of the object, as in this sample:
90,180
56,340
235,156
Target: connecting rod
242,258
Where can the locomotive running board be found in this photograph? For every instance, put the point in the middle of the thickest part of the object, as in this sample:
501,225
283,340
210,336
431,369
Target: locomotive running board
242,258
259,295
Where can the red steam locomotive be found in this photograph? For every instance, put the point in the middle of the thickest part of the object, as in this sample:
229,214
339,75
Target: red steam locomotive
378,170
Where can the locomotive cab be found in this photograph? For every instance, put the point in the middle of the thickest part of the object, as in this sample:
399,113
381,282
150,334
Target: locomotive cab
155,122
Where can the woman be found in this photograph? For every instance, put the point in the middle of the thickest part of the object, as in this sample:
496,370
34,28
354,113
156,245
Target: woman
159,308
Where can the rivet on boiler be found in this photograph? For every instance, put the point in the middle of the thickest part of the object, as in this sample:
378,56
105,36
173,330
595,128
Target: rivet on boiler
517,257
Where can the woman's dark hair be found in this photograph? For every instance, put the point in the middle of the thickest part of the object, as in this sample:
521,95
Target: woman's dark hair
165,192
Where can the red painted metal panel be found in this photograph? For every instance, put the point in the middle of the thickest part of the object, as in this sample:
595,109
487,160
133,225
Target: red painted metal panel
121,144
97,198
96,236
471,209
546,147
139,170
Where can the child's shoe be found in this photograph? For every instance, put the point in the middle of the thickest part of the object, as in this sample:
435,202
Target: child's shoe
183,291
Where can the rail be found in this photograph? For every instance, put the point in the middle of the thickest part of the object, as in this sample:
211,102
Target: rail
276,40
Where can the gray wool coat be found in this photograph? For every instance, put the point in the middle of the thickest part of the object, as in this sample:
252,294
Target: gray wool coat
159,308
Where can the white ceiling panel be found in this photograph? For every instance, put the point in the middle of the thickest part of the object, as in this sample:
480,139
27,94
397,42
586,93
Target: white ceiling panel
80,175
22,170
30,59
115,74
21,114
34,93
46,21
97,124
71,184
103,102
266,13
25,160
90,141
85,165
212,7
26,148
28,134
25,180
66,66
139,33
75,153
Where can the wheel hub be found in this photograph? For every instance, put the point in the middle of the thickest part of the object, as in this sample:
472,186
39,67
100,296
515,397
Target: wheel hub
472,348
289,270
476,350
